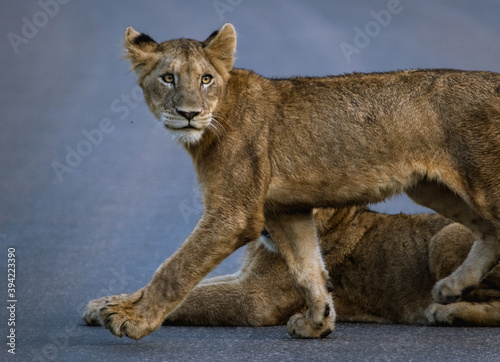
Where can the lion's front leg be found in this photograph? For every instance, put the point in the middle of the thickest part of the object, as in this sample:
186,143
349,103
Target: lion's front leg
142,312
486,314
295,238
224,303
261,293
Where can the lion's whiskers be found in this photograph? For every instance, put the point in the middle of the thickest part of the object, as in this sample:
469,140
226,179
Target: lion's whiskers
216,127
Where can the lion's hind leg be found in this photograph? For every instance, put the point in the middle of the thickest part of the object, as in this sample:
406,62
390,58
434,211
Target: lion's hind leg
481,307
485,251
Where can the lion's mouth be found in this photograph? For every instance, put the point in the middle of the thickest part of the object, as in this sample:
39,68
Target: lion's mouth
183,125
185,128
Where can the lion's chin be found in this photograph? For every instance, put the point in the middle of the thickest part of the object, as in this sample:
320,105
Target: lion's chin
187,135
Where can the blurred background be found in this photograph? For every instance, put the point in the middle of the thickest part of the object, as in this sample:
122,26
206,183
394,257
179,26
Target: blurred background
94,193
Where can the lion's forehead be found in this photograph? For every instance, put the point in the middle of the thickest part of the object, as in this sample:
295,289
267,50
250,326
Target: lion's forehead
183,55
189,66
181,46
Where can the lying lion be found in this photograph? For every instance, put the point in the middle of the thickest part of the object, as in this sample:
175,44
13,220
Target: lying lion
382,268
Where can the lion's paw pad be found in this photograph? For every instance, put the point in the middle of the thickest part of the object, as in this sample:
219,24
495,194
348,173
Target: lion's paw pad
301,327
440,314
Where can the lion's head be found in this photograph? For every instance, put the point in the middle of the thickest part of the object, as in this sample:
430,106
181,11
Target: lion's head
183,79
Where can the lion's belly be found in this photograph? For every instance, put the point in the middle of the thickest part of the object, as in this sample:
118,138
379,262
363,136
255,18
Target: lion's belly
329,189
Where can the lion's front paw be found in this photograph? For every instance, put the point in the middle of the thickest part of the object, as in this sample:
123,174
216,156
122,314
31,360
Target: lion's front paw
92,312
91,315
300,326
130,316
444,292
437,314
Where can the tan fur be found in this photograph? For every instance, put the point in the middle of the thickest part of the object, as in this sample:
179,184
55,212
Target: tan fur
269,151
382,268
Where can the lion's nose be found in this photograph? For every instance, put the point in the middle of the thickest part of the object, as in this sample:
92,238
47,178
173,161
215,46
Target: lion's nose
188,115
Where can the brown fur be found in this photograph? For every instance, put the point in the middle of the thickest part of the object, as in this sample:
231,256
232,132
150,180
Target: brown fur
382,268
269,151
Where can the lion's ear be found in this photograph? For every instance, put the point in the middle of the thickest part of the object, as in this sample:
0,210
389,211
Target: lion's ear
140,48
221,45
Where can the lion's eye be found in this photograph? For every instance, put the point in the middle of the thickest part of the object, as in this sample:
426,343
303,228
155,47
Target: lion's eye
168,78
207,78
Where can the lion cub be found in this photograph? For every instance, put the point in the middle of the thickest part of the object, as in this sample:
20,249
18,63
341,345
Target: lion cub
382,268
269,151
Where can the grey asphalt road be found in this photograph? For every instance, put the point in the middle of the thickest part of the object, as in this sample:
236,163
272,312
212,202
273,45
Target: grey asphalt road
94,194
